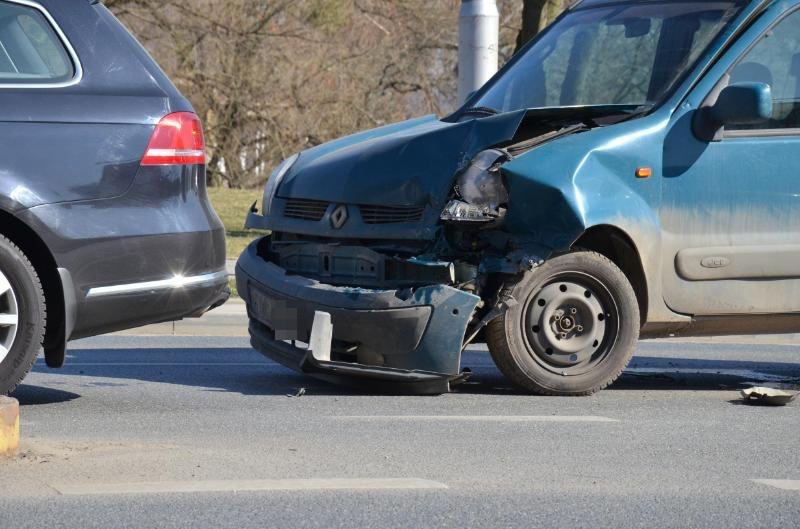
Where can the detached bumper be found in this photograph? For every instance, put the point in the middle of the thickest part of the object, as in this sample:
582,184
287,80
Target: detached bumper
405,341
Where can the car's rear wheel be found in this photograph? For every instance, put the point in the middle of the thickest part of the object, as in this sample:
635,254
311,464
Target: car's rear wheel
573,329
22,316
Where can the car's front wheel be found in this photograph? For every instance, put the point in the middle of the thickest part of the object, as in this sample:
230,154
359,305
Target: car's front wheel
573,330
22,316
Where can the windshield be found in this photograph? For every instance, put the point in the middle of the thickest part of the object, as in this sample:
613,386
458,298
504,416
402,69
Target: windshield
624,54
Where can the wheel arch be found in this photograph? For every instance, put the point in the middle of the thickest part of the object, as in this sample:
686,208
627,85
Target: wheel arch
618,246
49,274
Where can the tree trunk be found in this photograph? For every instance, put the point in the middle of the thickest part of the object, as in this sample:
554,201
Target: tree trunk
537,15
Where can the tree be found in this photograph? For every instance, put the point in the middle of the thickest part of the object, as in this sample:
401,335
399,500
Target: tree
537,15
273,77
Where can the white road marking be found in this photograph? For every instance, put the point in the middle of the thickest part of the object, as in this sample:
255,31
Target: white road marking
264,485
479,418
785,484
162,364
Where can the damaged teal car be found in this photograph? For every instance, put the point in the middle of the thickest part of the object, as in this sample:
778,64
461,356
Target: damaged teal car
632,172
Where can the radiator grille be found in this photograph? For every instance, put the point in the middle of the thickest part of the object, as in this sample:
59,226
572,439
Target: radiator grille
305,209
391,214
314,210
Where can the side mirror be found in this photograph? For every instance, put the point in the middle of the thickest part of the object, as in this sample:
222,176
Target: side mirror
737,104
743,104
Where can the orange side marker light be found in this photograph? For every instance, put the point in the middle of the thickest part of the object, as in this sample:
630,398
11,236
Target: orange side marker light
644,172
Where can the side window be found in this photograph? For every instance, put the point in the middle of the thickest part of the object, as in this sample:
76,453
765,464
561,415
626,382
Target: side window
775,60
30,50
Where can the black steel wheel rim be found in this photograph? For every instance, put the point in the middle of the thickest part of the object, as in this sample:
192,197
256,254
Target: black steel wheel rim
571,323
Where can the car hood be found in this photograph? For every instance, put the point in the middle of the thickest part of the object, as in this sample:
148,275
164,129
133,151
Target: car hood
412,163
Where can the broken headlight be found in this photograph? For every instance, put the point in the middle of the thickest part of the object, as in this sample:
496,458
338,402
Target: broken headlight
456,210
275,180
480,191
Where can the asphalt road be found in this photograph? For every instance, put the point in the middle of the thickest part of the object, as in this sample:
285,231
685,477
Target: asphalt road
159,432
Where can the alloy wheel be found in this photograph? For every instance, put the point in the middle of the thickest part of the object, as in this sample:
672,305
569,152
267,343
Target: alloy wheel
9,316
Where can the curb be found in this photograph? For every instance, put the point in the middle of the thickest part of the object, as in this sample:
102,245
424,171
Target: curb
9,425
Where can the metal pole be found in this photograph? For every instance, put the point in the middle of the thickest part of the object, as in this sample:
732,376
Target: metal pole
479,40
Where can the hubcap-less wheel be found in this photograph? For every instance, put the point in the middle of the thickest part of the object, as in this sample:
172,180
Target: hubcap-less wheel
9,316
573,329
571,324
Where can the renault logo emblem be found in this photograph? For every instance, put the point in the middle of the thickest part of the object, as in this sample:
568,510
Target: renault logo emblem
339,216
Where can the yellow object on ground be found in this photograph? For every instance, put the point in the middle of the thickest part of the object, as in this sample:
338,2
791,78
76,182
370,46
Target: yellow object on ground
9,425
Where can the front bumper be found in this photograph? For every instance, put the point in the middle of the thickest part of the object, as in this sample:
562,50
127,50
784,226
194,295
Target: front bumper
407,340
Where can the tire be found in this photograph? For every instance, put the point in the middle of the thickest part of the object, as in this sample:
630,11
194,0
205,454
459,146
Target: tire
573,330
21,296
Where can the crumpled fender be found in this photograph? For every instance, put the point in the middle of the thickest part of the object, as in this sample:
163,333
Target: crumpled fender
561,189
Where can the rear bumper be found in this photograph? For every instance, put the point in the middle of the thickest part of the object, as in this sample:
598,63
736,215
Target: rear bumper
119,307
391,340
121,259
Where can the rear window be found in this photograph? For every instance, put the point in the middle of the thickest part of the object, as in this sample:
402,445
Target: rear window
30,50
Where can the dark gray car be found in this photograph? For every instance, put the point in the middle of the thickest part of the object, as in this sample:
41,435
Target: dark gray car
104,219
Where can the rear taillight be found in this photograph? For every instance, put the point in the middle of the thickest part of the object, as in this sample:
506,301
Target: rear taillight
177,140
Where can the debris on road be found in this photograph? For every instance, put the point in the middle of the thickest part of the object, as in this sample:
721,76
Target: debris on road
770,396
300,392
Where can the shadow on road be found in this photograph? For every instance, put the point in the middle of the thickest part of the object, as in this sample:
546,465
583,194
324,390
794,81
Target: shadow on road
700,374
237,370
667,374
37,395
244,371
